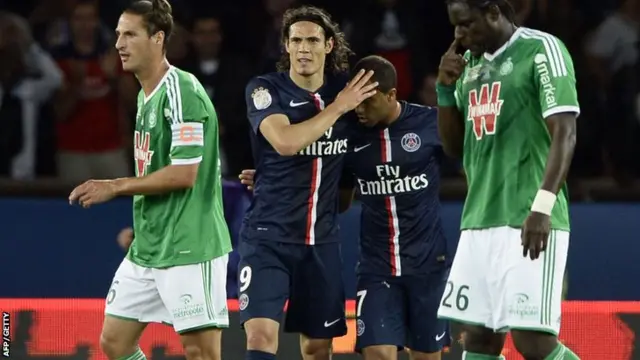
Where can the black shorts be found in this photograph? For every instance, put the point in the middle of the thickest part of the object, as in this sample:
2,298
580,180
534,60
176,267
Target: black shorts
310,277
402,311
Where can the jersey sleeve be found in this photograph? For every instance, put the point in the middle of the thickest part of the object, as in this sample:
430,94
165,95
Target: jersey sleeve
262,101
186,112
554,78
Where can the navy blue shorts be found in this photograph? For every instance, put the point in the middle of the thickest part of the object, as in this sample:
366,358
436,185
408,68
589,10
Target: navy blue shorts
271,272
402,311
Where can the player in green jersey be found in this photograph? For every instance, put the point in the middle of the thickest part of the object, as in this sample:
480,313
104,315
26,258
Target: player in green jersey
508,107
176,268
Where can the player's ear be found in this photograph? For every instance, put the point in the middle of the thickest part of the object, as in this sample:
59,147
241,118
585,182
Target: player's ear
493,13
392,94
286,46
328,46
158,37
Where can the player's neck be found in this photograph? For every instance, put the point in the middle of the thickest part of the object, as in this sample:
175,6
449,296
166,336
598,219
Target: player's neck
394,115
151,76
508,29
310,83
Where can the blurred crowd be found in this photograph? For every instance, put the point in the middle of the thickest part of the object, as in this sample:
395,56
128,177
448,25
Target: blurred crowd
66,108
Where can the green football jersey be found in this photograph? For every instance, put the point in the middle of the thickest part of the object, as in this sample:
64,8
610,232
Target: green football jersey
504,99
177,125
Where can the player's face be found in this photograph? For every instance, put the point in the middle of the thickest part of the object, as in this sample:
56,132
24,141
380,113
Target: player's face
471,27
307,48
135,47
377,108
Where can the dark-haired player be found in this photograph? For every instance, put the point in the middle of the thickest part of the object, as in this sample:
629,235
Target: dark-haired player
394,165
404,256
508,106
175,269
289,245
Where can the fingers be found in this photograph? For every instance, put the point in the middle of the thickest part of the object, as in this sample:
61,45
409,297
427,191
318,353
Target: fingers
356,78
367,95
77,192
364,80
370,87
454,46
248,172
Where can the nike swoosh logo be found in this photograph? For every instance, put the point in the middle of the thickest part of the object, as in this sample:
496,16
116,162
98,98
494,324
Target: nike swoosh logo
295,104
439,337
328,324
356,149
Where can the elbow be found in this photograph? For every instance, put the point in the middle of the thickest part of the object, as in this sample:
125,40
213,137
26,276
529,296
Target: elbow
187,176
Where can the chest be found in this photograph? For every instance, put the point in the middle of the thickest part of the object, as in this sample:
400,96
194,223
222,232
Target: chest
494,92
390,154
300,105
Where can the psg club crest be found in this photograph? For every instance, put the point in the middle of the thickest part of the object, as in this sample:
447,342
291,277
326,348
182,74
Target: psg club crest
261,98
410,142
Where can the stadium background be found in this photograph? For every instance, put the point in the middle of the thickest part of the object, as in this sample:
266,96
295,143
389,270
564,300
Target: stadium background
58,260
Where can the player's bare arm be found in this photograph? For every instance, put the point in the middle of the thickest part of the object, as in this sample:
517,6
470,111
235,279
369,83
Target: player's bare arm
537,226
167,179
288,139
450,124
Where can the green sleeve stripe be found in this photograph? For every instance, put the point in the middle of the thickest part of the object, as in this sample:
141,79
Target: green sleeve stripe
195,160
175,97
553,51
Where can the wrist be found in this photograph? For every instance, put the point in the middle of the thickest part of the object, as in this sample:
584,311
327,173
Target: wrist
446,95
544,202
120,186
335,109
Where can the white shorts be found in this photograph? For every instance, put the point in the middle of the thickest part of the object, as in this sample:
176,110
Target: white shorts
189,297
492,285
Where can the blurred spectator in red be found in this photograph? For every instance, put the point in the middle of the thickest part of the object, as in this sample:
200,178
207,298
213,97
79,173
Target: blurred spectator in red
95,102
224,75
28,78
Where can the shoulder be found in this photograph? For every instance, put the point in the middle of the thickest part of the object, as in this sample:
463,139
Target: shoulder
420,111
185,80
537,39
270,80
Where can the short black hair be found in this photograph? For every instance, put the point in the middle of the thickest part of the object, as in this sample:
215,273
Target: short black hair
384,73
156,14
338,59
504,5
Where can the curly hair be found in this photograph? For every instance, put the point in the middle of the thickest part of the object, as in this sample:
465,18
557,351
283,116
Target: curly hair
157,16
338,59
504,5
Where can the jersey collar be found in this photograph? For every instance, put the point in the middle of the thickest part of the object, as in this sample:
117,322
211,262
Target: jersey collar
514,36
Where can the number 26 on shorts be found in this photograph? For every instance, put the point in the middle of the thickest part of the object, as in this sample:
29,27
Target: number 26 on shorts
461,299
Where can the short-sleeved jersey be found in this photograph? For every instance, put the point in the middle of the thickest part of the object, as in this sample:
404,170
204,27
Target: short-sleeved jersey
504,99
177,125
396,173
295,197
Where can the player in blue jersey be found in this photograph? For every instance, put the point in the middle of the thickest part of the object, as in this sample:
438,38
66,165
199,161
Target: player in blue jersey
404,256
289,246
404,261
